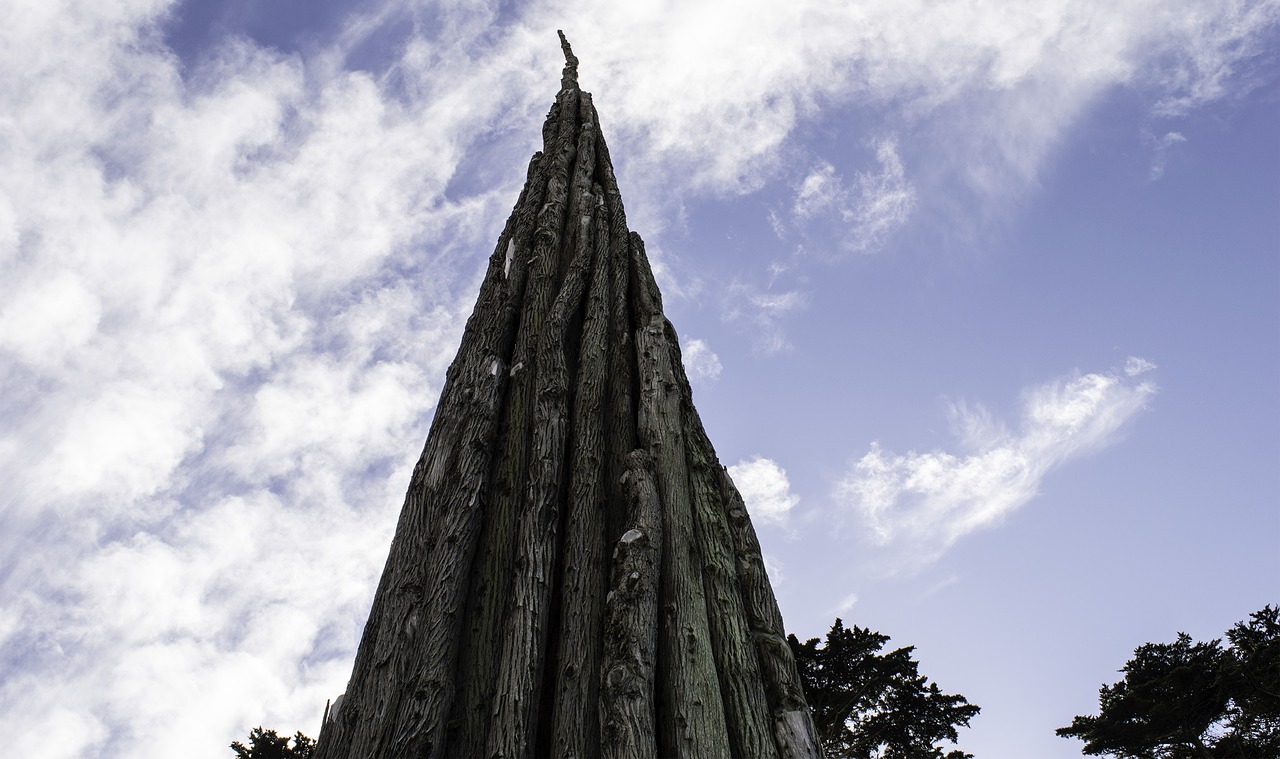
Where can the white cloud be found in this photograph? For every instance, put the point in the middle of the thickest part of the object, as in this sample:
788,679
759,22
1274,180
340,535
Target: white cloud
919,504
60,733
820,192
858,218
1206,53
884,200
49,319
765,489
701,362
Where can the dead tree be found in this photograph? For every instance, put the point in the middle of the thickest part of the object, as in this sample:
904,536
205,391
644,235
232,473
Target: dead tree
573,573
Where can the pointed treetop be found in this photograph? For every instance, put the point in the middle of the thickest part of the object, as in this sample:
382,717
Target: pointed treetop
570,60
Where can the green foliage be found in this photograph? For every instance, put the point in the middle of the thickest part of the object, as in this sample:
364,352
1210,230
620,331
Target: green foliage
266,744
867,704
1185,699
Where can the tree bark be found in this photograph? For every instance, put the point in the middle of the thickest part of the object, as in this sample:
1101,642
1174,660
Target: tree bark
793,729
627,716
573,573
575,727
691,719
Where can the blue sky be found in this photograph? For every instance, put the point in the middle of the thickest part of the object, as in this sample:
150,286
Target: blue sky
981,302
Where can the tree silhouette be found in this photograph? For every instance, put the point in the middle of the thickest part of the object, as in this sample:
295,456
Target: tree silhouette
267,744
1185,699
868,704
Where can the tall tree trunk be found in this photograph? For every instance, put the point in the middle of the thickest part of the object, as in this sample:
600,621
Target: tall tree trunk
573,573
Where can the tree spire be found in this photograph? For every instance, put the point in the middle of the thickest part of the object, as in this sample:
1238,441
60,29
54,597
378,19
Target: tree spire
573,572
570,60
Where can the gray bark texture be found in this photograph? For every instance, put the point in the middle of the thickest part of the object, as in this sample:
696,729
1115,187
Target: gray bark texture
573,573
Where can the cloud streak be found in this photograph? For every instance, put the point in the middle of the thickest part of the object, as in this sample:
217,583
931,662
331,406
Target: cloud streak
919,504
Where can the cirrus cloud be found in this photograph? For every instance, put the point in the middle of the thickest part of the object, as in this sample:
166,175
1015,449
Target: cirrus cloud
865,213
922,503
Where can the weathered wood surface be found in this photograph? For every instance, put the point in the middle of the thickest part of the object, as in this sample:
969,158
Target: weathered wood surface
573,573
691,718
627,718
575,729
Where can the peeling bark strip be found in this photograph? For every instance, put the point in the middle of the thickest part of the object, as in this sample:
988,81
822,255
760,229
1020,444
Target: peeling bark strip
573,573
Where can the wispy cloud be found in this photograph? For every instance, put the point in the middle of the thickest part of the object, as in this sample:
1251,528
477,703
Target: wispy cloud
718,98
987,89
765,489
773,567
843,606
1208,54
1160,152
762,313
919,504
1135,365
856,218
883,202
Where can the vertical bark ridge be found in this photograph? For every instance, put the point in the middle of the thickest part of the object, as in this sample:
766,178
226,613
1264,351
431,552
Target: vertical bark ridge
627,718
490,601
580,200
690,711
396,628
516,696
620,425
741,687
573,573
793,728
575,727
